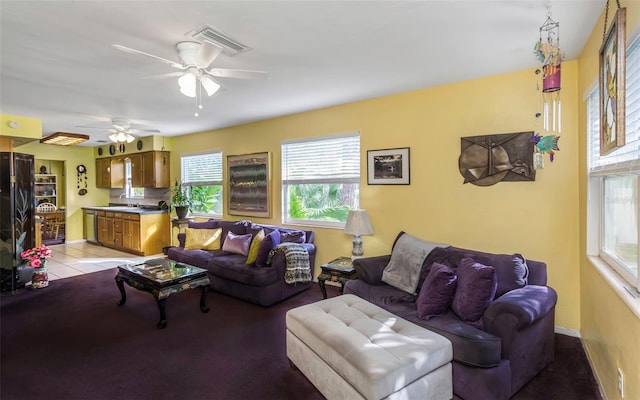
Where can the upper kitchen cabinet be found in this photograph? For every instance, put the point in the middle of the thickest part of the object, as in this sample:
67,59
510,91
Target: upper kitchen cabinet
137,170
155,169
149,169
110,172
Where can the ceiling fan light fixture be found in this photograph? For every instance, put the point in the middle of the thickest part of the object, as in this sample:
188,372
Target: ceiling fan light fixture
113,137
187,84
130,138
209,85
121,137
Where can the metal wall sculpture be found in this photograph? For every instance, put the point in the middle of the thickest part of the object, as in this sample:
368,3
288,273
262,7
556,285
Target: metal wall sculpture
488,159
249,185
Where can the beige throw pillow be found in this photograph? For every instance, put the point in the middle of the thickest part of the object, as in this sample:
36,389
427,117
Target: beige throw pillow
205,239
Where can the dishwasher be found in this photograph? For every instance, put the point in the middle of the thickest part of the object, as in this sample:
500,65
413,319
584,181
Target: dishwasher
91,226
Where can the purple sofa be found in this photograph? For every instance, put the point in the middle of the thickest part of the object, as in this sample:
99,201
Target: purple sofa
262,282
513,341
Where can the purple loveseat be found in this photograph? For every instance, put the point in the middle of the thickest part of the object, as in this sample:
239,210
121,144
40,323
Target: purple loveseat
261,282
513,341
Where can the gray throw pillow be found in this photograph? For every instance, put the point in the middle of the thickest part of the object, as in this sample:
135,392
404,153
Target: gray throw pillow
403,270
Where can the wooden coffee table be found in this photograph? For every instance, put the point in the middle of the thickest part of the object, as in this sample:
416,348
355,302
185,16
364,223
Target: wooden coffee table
163,277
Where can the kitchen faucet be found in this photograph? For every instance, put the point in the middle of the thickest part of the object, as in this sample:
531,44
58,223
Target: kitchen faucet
129,203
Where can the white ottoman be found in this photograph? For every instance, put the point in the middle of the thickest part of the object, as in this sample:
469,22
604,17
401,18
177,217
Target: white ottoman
351,349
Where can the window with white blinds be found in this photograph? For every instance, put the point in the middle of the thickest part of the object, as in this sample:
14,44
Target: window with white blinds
202,169
202,175
333,159
320,179
614,182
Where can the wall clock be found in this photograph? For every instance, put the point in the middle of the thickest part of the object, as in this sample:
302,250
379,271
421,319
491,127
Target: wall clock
112,149
139,145
82,179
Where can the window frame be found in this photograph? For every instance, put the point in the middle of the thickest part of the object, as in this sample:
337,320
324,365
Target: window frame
285,183
189,184
599,168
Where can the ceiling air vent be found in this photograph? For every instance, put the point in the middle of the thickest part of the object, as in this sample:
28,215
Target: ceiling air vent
229,46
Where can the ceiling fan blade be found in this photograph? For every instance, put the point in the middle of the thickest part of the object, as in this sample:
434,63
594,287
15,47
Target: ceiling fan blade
94,127
162,76
237,73
134,51
135,130
206,54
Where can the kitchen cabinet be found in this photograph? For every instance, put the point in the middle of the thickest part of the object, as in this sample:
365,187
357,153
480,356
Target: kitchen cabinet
136,170
131,232
106,229
142,233
110,172
149,169
155,169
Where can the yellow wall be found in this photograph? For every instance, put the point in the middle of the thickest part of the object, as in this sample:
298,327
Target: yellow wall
27,127
609,328
538,219
72,157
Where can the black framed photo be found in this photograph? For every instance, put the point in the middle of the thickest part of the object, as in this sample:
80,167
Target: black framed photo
388,167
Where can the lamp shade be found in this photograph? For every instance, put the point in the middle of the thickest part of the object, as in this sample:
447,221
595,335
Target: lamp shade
358,223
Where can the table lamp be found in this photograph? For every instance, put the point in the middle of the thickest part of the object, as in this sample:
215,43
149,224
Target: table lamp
358,224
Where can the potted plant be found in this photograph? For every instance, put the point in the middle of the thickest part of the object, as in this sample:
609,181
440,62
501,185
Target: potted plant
180,200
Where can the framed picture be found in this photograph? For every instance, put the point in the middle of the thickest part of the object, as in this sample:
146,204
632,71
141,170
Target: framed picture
612,85
249,181
388,166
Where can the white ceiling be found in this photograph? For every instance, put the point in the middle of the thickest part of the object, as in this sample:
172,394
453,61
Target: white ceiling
57,63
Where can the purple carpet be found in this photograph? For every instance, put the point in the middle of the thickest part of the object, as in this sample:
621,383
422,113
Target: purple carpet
71,341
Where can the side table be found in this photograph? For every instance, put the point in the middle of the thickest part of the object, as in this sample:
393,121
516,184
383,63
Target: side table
338,270
180,224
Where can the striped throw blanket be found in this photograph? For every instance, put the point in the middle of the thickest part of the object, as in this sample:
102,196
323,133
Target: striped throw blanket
297,258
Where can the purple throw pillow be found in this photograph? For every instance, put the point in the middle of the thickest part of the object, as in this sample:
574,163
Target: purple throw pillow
238,244
210,224
436,294
270,241
511,270
476,290
237,227
292,236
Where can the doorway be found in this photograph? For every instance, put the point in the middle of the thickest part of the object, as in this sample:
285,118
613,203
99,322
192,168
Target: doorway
50,200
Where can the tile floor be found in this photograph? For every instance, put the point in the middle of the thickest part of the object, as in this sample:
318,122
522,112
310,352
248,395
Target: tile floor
80,258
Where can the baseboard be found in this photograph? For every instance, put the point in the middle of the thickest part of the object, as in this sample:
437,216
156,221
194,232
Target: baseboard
567,331
75,241
595,373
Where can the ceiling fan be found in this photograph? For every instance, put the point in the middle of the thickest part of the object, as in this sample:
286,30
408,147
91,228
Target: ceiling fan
195,60
121,130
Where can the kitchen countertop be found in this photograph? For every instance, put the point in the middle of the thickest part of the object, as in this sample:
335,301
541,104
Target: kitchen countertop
125,209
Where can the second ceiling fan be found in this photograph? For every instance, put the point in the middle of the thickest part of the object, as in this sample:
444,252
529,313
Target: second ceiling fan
195,60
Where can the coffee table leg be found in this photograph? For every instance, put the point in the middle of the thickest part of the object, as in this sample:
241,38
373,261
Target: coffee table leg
123,297
324,289
163,315
203,299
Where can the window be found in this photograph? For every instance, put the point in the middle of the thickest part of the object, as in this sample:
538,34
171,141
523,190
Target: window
614,182
131,193
202,175
320,180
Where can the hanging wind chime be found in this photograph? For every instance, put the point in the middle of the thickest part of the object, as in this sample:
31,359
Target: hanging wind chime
547,50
